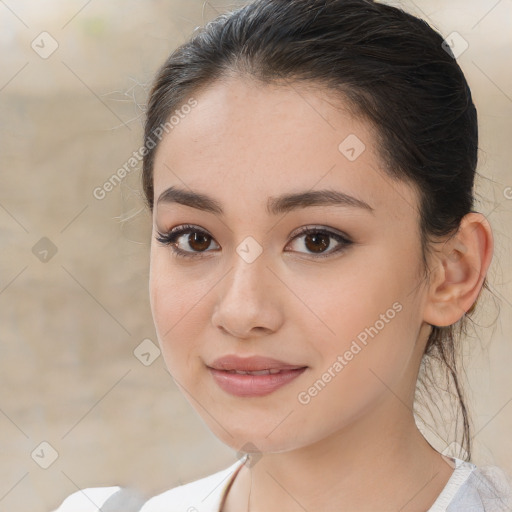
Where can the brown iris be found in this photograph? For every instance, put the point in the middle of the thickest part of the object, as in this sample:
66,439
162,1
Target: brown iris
320,241
202,241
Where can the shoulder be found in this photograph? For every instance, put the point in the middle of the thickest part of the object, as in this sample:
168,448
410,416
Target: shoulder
475,489
87,500
203,495
486,489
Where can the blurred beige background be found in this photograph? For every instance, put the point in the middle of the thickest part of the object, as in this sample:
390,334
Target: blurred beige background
74,304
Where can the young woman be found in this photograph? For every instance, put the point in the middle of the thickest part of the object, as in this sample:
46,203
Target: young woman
309,165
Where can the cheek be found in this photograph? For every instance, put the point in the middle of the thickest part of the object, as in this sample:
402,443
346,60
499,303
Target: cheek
360,371
368,317
172,291
347,301
175,305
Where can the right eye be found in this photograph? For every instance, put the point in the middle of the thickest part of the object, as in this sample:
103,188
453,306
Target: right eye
197,239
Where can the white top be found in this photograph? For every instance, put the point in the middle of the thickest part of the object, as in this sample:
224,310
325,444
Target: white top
469,489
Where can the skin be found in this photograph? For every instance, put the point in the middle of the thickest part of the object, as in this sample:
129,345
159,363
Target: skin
241,144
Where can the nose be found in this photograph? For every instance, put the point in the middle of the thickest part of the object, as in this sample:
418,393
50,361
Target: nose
248,302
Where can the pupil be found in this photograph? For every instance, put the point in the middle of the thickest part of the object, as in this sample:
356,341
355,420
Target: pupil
318,237
195,238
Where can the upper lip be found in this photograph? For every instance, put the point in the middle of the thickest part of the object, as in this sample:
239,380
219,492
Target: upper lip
251,364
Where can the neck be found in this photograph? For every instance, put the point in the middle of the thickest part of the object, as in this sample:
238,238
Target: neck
381,462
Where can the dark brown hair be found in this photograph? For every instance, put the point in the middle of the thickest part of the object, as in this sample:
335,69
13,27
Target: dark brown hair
390,67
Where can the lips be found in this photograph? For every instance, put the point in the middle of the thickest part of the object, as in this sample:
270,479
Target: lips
251,364
252,376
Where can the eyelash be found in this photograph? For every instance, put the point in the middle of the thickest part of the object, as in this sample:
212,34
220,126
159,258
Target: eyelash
170,238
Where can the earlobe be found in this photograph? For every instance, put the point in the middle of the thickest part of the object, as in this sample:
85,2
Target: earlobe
459,271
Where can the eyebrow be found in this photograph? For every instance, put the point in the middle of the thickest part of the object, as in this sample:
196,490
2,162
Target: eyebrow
275,205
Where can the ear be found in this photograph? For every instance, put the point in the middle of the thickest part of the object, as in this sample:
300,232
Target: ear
458,271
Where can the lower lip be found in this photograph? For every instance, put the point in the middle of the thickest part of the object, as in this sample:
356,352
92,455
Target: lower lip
253,385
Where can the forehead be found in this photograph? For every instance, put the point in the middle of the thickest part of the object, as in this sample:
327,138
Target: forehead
244,141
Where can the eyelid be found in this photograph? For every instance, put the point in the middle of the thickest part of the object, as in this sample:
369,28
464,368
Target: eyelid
319,228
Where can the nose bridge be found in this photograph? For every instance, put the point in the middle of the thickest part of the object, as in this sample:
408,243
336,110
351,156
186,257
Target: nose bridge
244,299
249,274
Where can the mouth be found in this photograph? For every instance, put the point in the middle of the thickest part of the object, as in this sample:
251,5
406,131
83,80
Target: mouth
258,372
252,376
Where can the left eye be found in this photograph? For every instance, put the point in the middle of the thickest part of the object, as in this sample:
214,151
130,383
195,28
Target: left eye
316,240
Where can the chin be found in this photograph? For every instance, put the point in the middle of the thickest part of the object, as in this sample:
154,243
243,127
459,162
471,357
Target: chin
266,434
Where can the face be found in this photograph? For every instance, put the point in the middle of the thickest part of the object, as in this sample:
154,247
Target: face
284,320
